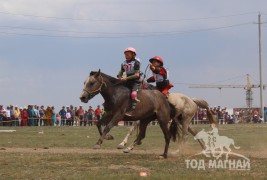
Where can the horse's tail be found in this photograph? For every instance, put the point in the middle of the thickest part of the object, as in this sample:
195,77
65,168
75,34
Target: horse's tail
203,104
173,130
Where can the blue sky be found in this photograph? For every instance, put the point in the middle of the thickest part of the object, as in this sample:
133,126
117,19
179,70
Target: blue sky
49,47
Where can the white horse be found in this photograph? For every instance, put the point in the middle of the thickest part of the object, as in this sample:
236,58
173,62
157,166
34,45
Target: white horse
185,109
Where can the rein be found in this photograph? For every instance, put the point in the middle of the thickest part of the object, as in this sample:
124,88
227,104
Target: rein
145,71
144,76
93,93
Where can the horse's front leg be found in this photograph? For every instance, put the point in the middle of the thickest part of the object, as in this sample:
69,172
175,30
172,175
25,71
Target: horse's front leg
101,121
113,122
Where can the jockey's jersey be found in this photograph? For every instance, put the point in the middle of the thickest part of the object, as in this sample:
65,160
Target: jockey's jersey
131,67
160,77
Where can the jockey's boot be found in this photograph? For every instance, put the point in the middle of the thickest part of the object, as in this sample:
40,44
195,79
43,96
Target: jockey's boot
131,112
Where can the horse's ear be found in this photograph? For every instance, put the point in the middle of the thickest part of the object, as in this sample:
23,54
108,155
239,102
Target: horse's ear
98,73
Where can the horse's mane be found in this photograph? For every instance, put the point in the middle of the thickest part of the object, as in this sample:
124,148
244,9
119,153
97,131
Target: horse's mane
110,78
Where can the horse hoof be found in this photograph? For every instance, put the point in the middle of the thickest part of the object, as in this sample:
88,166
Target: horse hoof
138,143
120,146
97,146
127,150
109,137
163,156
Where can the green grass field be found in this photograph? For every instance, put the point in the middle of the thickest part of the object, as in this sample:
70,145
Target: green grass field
66,153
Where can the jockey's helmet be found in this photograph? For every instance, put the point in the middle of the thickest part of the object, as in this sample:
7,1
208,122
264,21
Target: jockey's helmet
131,49
157,58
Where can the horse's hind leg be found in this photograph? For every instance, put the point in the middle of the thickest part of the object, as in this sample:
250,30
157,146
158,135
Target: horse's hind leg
163,122
125,140
167,137
183,125
179,133
141,135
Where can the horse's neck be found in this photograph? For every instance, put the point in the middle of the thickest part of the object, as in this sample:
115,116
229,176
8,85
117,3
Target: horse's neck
111,88
109,80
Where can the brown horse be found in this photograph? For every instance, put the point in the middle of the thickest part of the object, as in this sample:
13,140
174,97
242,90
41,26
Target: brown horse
153,105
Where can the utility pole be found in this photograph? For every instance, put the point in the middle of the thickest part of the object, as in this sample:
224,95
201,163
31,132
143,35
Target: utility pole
260,63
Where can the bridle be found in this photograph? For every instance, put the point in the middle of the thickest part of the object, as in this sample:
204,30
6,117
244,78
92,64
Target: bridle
143,83
95,92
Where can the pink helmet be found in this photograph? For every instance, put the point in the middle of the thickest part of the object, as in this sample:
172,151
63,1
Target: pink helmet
131,49
157,58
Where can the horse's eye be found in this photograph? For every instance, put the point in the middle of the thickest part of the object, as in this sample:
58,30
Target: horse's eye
91,84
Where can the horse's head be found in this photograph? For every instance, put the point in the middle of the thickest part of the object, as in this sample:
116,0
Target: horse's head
92,86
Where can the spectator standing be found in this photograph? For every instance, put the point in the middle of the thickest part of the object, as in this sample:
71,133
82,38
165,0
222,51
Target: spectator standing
58,120
72,113
204,116
98,113
1,114
42,116
62,114
7,115
53,116
48,114
68,117
30,115
90,116
37,115
227,117
85,118
80,112
12,116
20,111
16,116
24,116
76,117
214,112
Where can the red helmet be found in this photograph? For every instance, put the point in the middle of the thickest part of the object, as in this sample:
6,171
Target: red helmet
157,58
131,49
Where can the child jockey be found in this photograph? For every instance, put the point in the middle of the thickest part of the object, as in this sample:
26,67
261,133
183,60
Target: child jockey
159,75
131,66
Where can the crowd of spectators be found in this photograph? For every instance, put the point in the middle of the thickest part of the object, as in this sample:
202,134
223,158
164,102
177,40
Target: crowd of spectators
34,115
222,116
